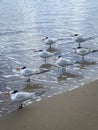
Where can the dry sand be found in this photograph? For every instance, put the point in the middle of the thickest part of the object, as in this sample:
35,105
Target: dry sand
73,110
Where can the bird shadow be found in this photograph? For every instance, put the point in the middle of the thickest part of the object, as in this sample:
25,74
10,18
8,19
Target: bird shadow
32,87
46,66
84,64
67,75
52,49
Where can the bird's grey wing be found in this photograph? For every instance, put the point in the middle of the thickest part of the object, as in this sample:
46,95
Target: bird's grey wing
22,96
85,51
28,73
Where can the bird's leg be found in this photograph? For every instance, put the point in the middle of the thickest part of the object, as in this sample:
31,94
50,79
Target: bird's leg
83,58
50,46
79,45
63,70
45,60
28,80
21,106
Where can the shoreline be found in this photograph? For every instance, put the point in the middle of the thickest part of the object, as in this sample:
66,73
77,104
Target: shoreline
73,110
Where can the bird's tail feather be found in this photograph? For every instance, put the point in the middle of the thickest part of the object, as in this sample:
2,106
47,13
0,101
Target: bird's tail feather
39,93
95,50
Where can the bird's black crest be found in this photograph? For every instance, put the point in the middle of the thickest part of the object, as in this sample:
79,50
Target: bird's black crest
40,50
15,91
76,34
59,56
46,37
24,67
79,47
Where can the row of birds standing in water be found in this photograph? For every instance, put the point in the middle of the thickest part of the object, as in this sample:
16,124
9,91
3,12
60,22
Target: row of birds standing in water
59,60
21,97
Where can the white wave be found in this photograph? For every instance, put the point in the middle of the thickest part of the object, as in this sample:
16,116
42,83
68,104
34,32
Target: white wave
9,76
49,96
38,99
1,92
1,101
8,88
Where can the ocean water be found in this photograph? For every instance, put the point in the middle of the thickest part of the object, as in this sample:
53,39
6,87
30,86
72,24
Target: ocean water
23,23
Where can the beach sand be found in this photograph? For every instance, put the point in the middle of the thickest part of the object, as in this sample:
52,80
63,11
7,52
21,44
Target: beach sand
72,110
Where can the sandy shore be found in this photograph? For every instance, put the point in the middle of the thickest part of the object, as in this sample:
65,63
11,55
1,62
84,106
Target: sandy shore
73,110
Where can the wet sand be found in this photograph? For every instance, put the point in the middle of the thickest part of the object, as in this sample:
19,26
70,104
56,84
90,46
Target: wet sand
73,110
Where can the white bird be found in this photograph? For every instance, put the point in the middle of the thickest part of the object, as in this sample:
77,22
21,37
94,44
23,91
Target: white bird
43,54
80,39
83,51
24,71
21,97
62,62
50,41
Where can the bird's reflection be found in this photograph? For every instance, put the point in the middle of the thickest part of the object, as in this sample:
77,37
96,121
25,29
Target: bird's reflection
47,66
32,87
52,49
84,64
67,75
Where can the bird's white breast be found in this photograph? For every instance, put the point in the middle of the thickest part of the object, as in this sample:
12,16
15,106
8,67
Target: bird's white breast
21,96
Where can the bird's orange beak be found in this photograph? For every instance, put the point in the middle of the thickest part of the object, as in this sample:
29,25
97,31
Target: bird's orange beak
34,50
73,48
6,93
55,59
17,69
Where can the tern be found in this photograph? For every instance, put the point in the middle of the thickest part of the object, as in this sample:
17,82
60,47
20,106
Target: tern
80,39
43,54
83,51
21,97
62,62
50,41
24,71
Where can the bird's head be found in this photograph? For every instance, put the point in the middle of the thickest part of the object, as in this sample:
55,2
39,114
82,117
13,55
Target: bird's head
74,35
58,57
34,50
43,39
13,91
79,47
19,69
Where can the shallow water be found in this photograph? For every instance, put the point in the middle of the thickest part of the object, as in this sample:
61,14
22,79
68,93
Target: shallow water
22,26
